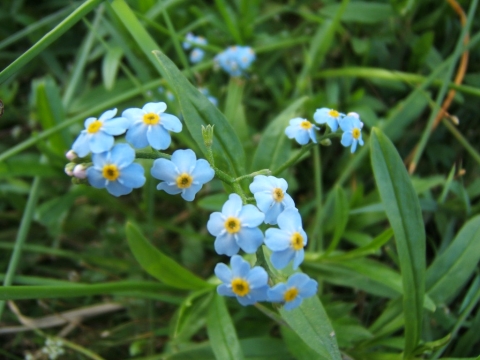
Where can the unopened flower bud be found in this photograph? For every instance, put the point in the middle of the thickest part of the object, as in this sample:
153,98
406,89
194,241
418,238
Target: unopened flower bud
80,171
326,142
207,134
69,168
71,155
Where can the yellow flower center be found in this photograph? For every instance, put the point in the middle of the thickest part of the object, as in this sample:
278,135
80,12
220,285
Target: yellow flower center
333,113
94,127
151,119
111,172
297,241
356,133
240,287
290,294
232,225
305,124
184,181
278,194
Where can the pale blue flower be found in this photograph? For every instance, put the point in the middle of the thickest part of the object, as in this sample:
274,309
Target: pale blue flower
98,134
236,227
116,171
270,194
329,116
196,55
352,131
298,287
189,40
183,174
151,126
235,59
301,130
247,285
287,243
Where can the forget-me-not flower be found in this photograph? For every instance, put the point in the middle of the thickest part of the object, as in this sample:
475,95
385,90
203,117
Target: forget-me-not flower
329,116
287,243
270,194
352,131
98,134
301,130
236,227
298,287
183,174
151,126
247,285
116,171
235,59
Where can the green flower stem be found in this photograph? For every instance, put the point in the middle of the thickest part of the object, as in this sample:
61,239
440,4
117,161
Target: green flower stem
464,142
151,155
294,159
259,172
316,243
22,235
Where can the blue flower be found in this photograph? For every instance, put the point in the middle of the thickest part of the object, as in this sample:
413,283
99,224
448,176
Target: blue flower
247,285
98,134
151,126
301,130
182,174
352,131
189,40
298,287
287,243
235,59
116,171
196,55
329,116
236,227
270,194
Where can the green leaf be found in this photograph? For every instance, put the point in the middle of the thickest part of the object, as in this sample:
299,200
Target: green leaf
158,264
361,12
340,214
197,110
234,110
451,270
274,147
403,211
221,331
110,65
312,325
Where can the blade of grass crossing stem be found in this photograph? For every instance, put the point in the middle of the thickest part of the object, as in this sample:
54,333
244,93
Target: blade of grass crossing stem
443,90
404,214
198,110
311,323
158,264
221,331
320,44
21,236
50,37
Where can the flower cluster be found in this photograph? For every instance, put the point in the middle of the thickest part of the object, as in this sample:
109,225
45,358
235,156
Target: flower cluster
112,166
53,348
237,227
235,60
303,130
191,42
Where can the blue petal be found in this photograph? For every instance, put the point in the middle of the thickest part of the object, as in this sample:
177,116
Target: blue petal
108,115
257,277
122,155
100,142
132,176
298,258
116,126
225,244
185,160
259,294
232,206
302,137
133,115
313,135
169,189
157,107
158,137
347,139
240,267
271,215
298,280
260,183
100,160
203,172
216,224
137,135
95,178
249,239
88,121
264,200
223,272
81,145
280,259
246,300
225,290
171,123
308,289
290,305
165,170
290,220
275,294
354,146
277,240
117,189
250,216
189,194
